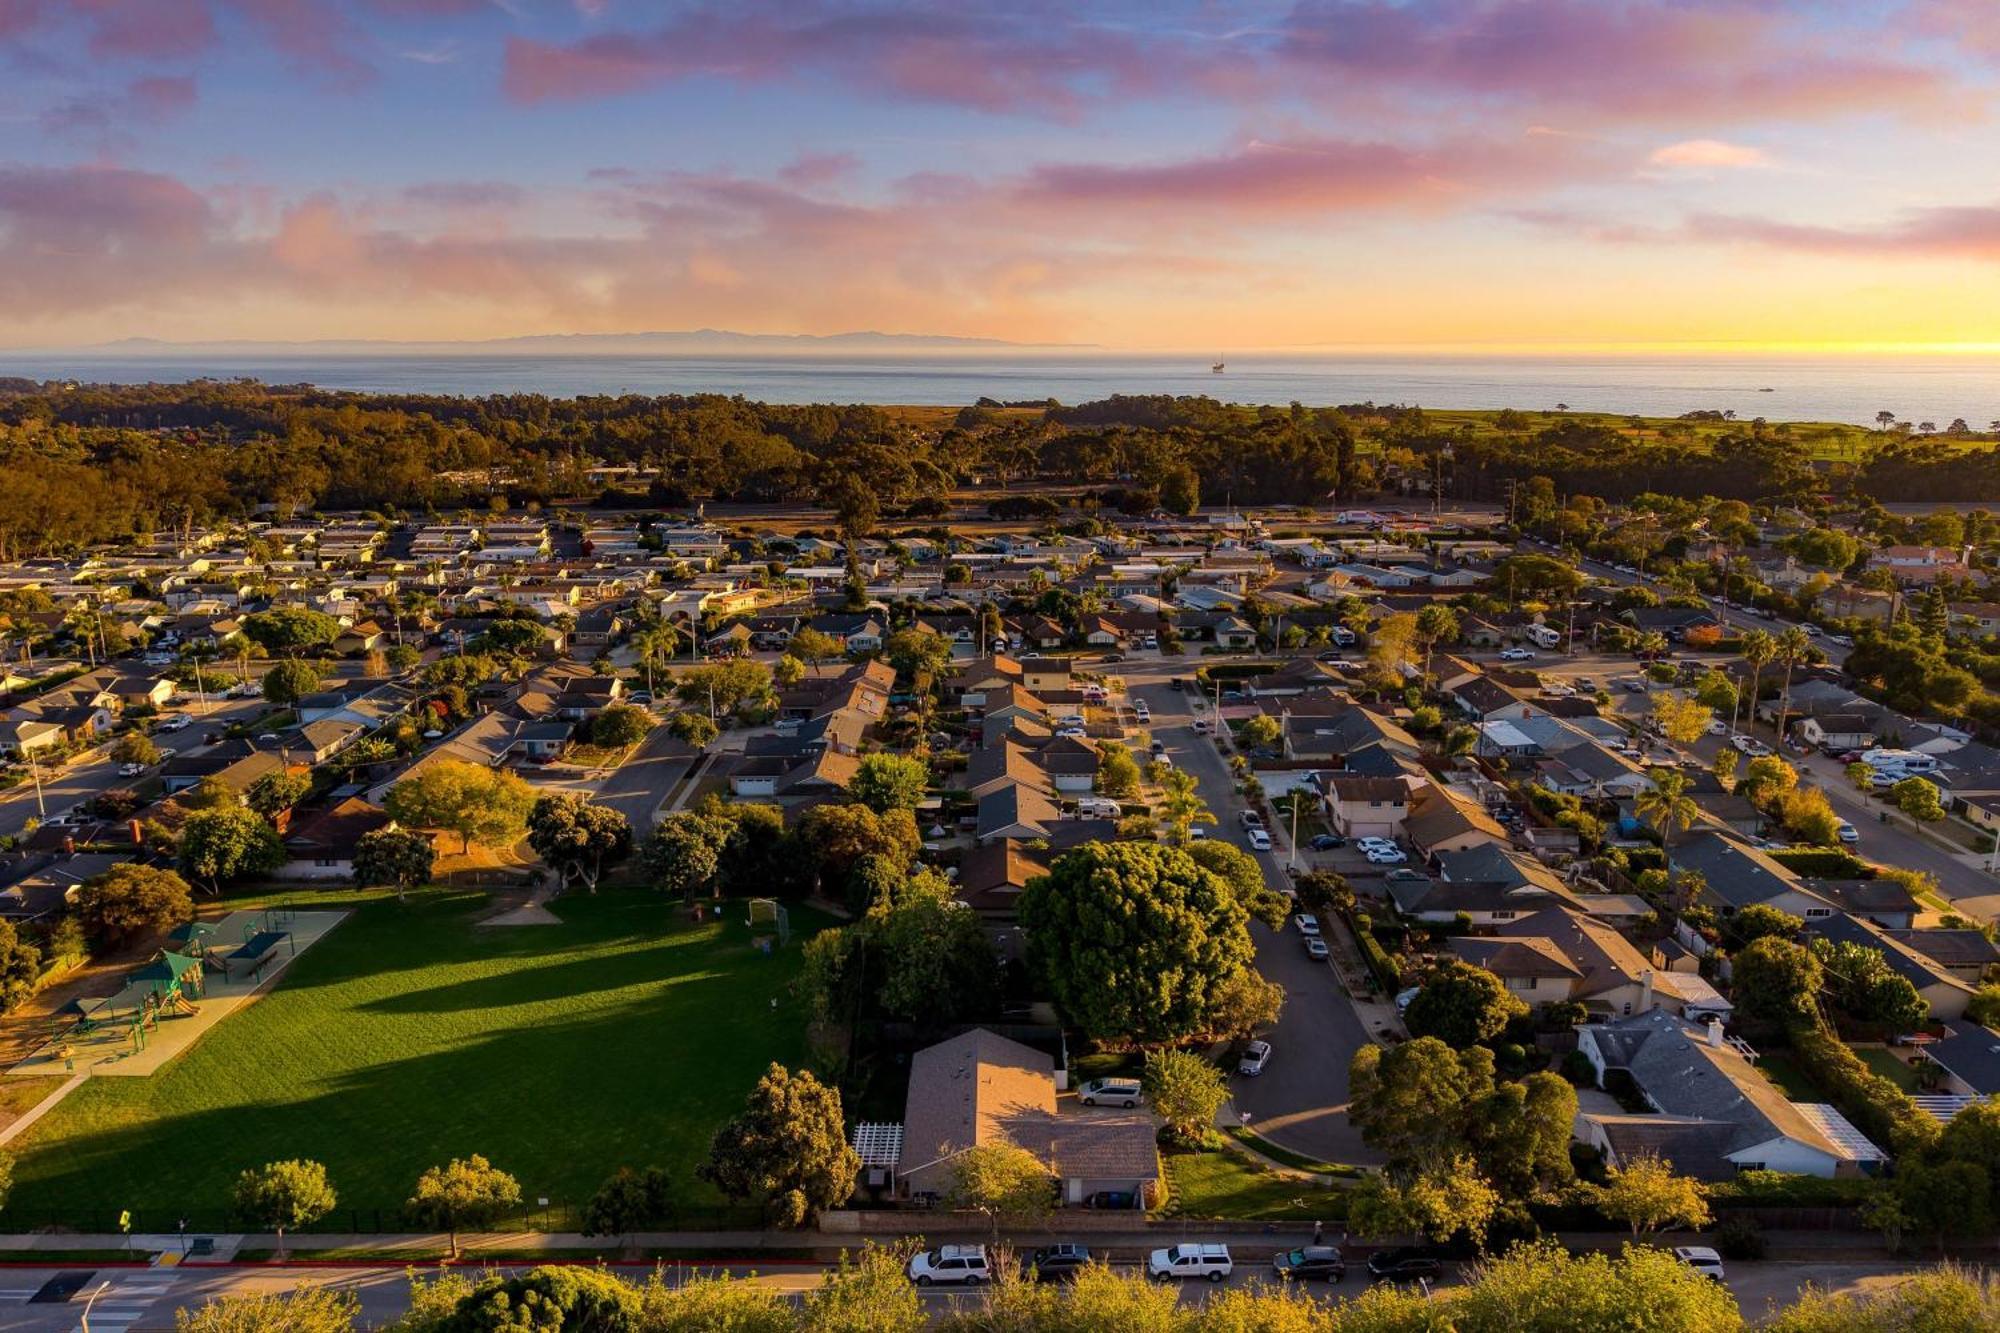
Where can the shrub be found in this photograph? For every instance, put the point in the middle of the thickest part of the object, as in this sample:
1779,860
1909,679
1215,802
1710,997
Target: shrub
1740,1238
1875,1106
1822,863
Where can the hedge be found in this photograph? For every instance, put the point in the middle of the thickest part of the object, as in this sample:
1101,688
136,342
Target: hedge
1780,1189
1387,975
1871,1103
1822,863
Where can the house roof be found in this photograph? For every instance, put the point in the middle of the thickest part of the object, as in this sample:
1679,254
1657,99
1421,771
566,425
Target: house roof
1972,1053
968,1090
1920,971
1440,814
1736,872
1685,1075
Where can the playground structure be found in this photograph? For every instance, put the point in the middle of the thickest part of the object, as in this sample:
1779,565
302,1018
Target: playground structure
206,971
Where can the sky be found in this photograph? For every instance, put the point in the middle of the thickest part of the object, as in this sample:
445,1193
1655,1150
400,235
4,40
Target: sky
1507,174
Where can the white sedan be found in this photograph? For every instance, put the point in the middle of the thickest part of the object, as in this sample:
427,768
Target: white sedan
1260,841
1307,923
1386,856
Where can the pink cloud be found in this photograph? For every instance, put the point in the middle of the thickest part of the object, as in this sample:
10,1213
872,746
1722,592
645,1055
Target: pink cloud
1319,176
147,29
1694,60
468,195
1042,60
1962,232
1708,153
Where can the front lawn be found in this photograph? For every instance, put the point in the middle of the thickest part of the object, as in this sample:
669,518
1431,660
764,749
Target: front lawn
408,1036
1898,1072
1223,1184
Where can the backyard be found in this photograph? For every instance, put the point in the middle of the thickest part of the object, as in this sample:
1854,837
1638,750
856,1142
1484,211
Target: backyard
621,1037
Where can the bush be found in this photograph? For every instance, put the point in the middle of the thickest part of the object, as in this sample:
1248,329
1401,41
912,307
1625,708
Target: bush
1387,975
1781,1189
1822,863
1576,1067
1740,1238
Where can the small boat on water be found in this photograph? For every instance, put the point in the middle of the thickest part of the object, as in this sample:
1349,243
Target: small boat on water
1767,391
1216,369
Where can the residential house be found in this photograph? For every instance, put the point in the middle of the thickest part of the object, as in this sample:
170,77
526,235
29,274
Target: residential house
1366,807
980,1089
1600,969
1443,819
1946,994
1969,1055
1713,1115
1736,875
321,845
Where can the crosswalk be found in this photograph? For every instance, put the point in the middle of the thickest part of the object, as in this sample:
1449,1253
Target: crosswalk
125,1301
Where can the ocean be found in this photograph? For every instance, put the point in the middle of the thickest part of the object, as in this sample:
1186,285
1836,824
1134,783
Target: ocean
1848,389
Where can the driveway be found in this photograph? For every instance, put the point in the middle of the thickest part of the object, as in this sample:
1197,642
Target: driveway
1300,1101
639,786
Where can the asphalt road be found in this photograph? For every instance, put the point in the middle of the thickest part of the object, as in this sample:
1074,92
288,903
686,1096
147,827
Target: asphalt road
88,775
144,1300
1300,1100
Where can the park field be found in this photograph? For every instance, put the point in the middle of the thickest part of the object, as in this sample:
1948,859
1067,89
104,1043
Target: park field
621,1037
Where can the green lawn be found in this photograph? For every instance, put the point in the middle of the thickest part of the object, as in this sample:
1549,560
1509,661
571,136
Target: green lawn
1791,1080
1888,1066
621,1037
1224,1184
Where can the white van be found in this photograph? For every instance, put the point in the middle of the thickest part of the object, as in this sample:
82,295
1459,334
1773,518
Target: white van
1543,635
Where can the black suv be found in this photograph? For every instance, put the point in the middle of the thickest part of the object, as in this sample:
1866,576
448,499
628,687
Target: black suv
1055,1263
1313,1262
1410,1263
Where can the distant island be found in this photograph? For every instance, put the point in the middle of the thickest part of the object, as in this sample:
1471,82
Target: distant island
679,342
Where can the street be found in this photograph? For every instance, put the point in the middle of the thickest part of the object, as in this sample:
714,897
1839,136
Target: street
1300,1100
94,772
143,1300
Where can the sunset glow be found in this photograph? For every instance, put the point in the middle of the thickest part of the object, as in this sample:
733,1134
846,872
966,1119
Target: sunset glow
1499,174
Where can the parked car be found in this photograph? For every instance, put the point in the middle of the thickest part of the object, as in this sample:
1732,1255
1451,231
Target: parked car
1316,949
961,1264
1055,1263
1123,1092
177,722
1840,641
1326,842
1516,654
1255,1056
1260,841
1157,748
1310,1263
1718,728
1201,726
1307,923
1406,1263
1112,1200
130,770
1386,856
1847,833
1701,1259
1250,819
1190,1259
1141,711
1405,876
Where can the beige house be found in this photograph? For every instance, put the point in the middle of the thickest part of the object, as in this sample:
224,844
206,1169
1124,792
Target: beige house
981,1088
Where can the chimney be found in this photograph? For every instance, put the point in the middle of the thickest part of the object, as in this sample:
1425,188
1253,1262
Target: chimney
1715,1032
1646,991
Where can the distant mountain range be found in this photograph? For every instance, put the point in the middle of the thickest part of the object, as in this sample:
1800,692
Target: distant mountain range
573,344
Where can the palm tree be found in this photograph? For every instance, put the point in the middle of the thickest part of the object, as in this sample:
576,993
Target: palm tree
656,645
1666,804
1760,649
1793,648
1181,806
1435,623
